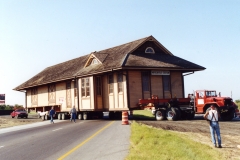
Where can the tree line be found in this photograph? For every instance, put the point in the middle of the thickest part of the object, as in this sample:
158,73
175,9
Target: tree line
11,107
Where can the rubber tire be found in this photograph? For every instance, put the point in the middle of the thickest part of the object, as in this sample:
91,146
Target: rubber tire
85,116
160,115
178,112
63,116
171,114
80,116
228,116
59,116
190,115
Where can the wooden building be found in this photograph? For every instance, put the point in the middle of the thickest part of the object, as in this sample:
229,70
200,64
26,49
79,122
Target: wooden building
113,79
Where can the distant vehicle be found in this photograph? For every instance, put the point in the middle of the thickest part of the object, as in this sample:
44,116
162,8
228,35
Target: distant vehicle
19,113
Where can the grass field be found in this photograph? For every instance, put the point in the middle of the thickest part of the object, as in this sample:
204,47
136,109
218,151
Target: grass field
157,144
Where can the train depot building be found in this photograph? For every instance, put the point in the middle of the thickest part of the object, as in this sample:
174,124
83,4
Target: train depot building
112,80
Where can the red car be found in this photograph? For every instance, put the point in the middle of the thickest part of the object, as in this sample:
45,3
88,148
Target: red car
19,113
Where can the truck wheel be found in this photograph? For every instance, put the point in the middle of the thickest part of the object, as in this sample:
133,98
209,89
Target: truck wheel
63,116
228,116
160,115
85,116
80,116
59,116
171,114
190,115
178,112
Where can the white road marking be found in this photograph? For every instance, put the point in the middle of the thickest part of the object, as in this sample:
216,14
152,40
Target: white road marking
56,129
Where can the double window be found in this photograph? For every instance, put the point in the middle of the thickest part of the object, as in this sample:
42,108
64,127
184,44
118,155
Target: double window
85,87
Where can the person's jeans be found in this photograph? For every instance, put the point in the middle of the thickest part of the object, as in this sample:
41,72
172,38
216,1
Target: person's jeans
73,117
51,120
214,128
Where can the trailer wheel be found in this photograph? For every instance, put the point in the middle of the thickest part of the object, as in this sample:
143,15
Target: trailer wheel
85,116
171,114
59,116
160,115
80,116
63,116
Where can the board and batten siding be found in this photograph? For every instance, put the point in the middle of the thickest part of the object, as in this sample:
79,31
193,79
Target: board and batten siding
86,103
135,87
156,85
61,94
29,98
177,84
105,92
118,100
43,95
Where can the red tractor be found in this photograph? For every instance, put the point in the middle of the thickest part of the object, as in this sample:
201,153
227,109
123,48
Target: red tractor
186,108
202,99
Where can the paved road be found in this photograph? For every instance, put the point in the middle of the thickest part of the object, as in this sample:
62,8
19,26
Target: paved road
91,139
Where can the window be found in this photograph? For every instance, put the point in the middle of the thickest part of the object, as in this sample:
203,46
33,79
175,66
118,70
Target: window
120,80
149,50
166,82
94,61
146,81
99,85
110,83
85,87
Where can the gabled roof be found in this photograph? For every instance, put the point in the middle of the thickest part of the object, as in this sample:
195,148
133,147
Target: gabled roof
119,57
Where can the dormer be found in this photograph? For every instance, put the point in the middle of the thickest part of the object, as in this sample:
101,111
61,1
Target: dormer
92,60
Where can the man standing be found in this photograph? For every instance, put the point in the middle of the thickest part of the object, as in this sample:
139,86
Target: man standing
51,113
73,113
212,115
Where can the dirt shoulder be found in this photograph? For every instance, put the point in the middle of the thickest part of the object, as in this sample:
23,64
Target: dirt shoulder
8,121
198,130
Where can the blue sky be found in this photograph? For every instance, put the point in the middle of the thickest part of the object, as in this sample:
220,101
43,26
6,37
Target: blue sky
40,33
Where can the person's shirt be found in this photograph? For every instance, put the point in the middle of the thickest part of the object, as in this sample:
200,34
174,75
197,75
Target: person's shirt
73,110
52,112
213,115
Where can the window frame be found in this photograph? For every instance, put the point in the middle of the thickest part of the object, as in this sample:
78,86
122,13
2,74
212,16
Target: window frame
149,48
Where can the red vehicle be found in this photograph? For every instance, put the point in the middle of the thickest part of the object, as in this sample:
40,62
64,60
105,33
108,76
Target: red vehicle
202,100
19,113
185,108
